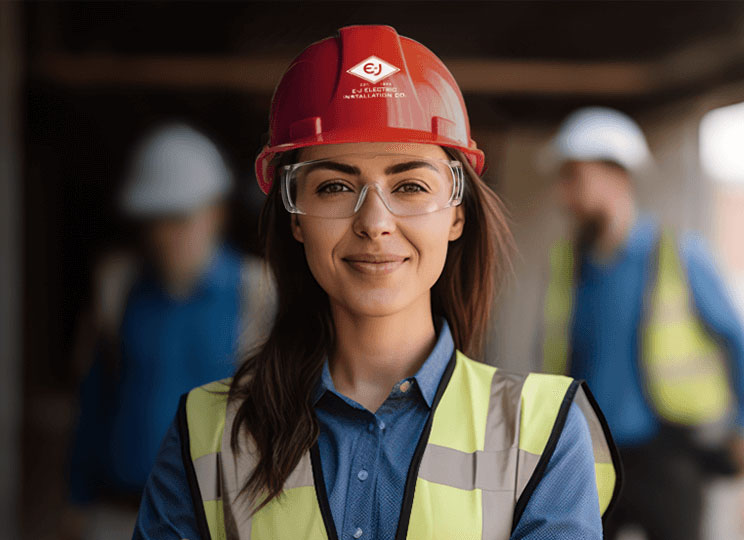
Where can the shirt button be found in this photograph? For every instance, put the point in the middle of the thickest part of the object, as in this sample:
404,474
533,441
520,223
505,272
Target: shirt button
358,533
382,424
362,475
404,386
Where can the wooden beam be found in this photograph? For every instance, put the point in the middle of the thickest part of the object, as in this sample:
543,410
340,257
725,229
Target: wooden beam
260,74
684,68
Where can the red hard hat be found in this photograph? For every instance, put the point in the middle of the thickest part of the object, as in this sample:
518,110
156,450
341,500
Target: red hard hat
368,84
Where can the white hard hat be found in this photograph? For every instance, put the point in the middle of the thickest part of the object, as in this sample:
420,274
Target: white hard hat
597,134
174,170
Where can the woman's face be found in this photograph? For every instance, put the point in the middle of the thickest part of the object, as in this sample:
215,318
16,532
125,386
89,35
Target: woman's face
376,263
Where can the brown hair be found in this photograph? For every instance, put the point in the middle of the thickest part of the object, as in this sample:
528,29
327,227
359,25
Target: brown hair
274,384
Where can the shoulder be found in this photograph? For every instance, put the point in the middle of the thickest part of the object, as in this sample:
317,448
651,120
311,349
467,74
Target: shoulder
545,403
205,404
695,251
213,393
201,417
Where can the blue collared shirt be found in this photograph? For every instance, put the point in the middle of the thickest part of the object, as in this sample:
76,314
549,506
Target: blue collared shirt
365,458
167,346
607,320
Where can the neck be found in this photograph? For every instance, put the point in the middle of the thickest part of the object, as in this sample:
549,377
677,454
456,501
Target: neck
616,227
180,281
372,354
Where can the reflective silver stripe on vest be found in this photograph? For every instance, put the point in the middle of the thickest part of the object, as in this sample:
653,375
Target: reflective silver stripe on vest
502,435
234,470
237,516
599,441
501,470
302,476
207,469
491,471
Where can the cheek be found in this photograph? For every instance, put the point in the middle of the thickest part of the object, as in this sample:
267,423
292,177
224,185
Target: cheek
320,241
430,239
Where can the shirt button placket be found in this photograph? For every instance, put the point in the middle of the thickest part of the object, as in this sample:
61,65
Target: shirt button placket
358,511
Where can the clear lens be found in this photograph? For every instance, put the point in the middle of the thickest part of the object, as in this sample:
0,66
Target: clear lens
338,187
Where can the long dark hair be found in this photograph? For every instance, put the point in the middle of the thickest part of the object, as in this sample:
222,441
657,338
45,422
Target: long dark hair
274,384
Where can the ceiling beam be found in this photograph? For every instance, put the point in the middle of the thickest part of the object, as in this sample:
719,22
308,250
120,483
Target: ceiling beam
690,66
260,74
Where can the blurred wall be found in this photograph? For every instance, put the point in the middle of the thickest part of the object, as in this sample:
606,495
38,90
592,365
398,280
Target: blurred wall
10,261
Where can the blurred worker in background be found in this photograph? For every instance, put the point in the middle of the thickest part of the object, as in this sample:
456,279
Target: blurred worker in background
642,315
164,321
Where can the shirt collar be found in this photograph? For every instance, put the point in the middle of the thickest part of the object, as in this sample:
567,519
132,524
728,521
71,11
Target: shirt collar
430,373
217,273
427,378
642,233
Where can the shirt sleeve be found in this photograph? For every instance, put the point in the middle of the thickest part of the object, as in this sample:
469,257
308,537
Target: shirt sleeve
714,306
167,509
565,505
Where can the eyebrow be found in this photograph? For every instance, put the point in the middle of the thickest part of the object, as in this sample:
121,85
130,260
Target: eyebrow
350,169
333,166
408,166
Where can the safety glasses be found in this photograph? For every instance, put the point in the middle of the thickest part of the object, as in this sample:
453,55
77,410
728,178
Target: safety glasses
337,187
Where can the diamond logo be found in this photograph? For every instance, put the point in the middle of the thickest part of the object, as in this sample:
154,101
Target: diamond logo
373,69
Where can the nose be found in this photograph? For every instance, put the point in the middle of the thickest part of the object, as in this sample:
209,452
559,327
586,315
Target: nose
373,219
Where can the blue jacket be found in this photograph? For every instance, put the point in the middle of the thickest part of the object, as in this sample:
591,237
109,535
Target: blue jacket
167,347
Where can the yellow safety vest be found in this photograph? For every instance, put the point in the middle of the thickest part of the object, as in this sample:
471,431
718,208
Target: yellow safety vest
684,369
484,450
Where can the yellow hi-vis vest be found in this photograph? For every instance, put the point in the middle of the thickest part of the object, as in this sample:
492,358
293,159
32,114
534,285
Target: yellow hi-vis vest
482,453
684,370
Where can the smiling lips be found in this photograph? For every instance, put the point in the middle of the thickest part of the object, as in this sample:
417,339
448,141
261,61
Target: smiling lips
375,264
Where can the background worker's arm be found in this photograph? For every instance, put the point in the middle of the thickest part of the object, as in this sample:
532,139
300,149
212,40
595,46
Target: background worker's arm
716,309
565,506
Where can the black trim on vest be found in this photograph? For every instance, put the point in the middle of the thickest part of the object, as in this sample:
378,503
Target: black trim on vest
188,465
405,511
614,453
321,494
542,464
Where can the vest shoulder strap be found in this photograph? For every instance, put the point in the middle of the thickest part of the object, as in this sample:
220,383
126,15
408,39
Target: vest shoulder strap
201,420
495,432
546,401
557,308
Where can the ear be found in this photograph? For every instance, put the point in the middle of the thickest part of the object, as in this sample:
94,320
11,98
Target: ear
458,223
296,228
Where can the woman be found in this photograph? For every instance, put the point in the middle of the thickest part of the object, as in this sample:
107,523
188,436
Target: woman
361,416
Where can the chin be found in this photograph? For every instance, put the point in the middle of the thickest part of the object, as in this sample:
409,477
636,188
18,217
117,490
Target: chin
376,302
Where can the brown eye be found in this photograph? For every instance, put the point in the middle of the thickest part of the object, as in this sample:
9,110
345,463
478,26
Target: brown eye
333,187
411,187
